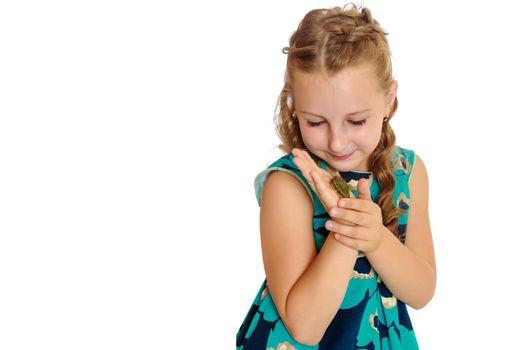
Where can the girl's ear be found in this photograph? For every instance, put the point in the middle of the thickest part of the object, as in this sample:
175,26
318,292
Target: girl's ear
391,96
392,93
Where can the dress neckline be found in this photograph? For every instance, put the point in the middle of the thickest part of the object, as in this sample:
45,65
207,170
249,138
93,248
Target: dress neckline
355,175
350,174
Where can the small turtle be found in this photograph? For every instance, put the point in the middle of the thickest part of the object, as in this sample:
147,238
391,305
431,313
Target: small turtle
340,186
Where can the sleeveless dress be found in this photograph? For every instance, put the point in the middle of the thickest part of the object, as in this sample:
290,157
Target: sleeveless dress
370,316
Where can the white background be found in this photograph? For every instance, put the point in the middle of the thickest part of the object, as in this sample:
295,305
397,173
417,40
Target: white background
131,133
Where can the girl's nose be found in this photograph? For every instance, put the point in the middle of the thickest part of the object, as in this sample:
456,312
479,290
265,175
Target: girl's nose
336,142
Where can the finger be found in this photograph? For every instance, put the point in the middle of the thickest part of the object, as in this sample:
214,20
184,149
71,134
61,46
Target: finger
347,241
299,154
346,230
310,162
309,159
348,216
325,193
357,205
304,170
303,164
326,175
314,166
364,189
349,212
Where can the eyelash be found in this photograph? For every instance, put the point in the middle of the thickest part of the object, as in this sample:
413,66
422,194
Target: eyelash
357,123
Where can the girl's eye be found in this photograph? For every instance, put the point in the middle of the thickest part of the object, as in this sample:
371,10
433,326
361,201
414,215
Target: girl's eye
359,122
314,124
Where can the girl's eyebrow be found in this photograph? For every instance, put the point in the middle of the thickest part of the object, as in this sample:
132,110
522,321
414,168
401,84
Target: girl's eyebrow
347,115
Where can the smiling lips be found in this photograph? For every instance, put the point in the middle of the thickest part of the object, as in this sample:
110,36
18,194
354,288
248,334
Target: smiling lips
341,157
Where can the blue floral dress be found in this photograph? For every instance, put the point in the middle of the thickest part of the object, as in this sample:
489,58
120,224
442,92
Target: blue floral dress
370,316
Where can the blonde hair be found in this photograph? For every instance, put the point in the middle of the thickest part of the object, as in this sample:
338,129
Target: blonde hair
327,41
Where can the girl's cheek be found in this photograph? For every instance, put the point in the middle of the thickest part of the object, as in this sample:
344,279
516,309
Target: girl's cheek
315,138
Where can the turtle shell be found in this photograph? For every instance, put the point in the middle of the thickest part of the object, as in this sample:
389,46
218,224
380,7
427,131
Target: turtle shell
340,186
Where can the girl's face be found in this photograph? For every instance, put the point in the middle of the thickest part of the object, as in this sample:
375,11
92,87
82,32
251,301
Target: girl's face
342,115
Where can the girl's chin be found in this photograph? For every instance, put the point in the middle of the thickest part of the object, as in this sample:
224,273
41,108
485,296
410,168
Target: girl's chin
338,166
343,166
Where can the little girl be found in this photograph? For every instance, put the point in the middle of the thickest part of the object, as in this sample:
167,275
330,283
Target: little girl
340,271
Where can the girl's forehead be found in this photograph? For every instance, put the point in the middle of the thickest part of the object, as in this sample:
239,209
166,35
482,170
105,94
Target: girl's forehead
356,74
355,83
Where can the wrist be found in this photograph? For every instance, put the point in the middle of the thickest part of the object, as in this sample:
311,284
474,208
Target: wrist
382,238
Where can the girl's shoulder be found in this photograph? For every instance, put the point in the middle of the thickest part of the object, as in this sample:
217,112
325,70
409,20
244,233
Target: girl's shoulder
285,164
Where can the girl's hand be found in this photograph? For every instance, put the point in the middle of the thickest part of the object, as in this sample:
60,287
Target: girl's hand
368,230
321,185
359,222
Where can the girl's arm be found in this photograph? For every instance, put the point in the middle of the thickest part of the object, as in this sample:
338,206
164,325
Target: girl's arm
409,270
307,288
